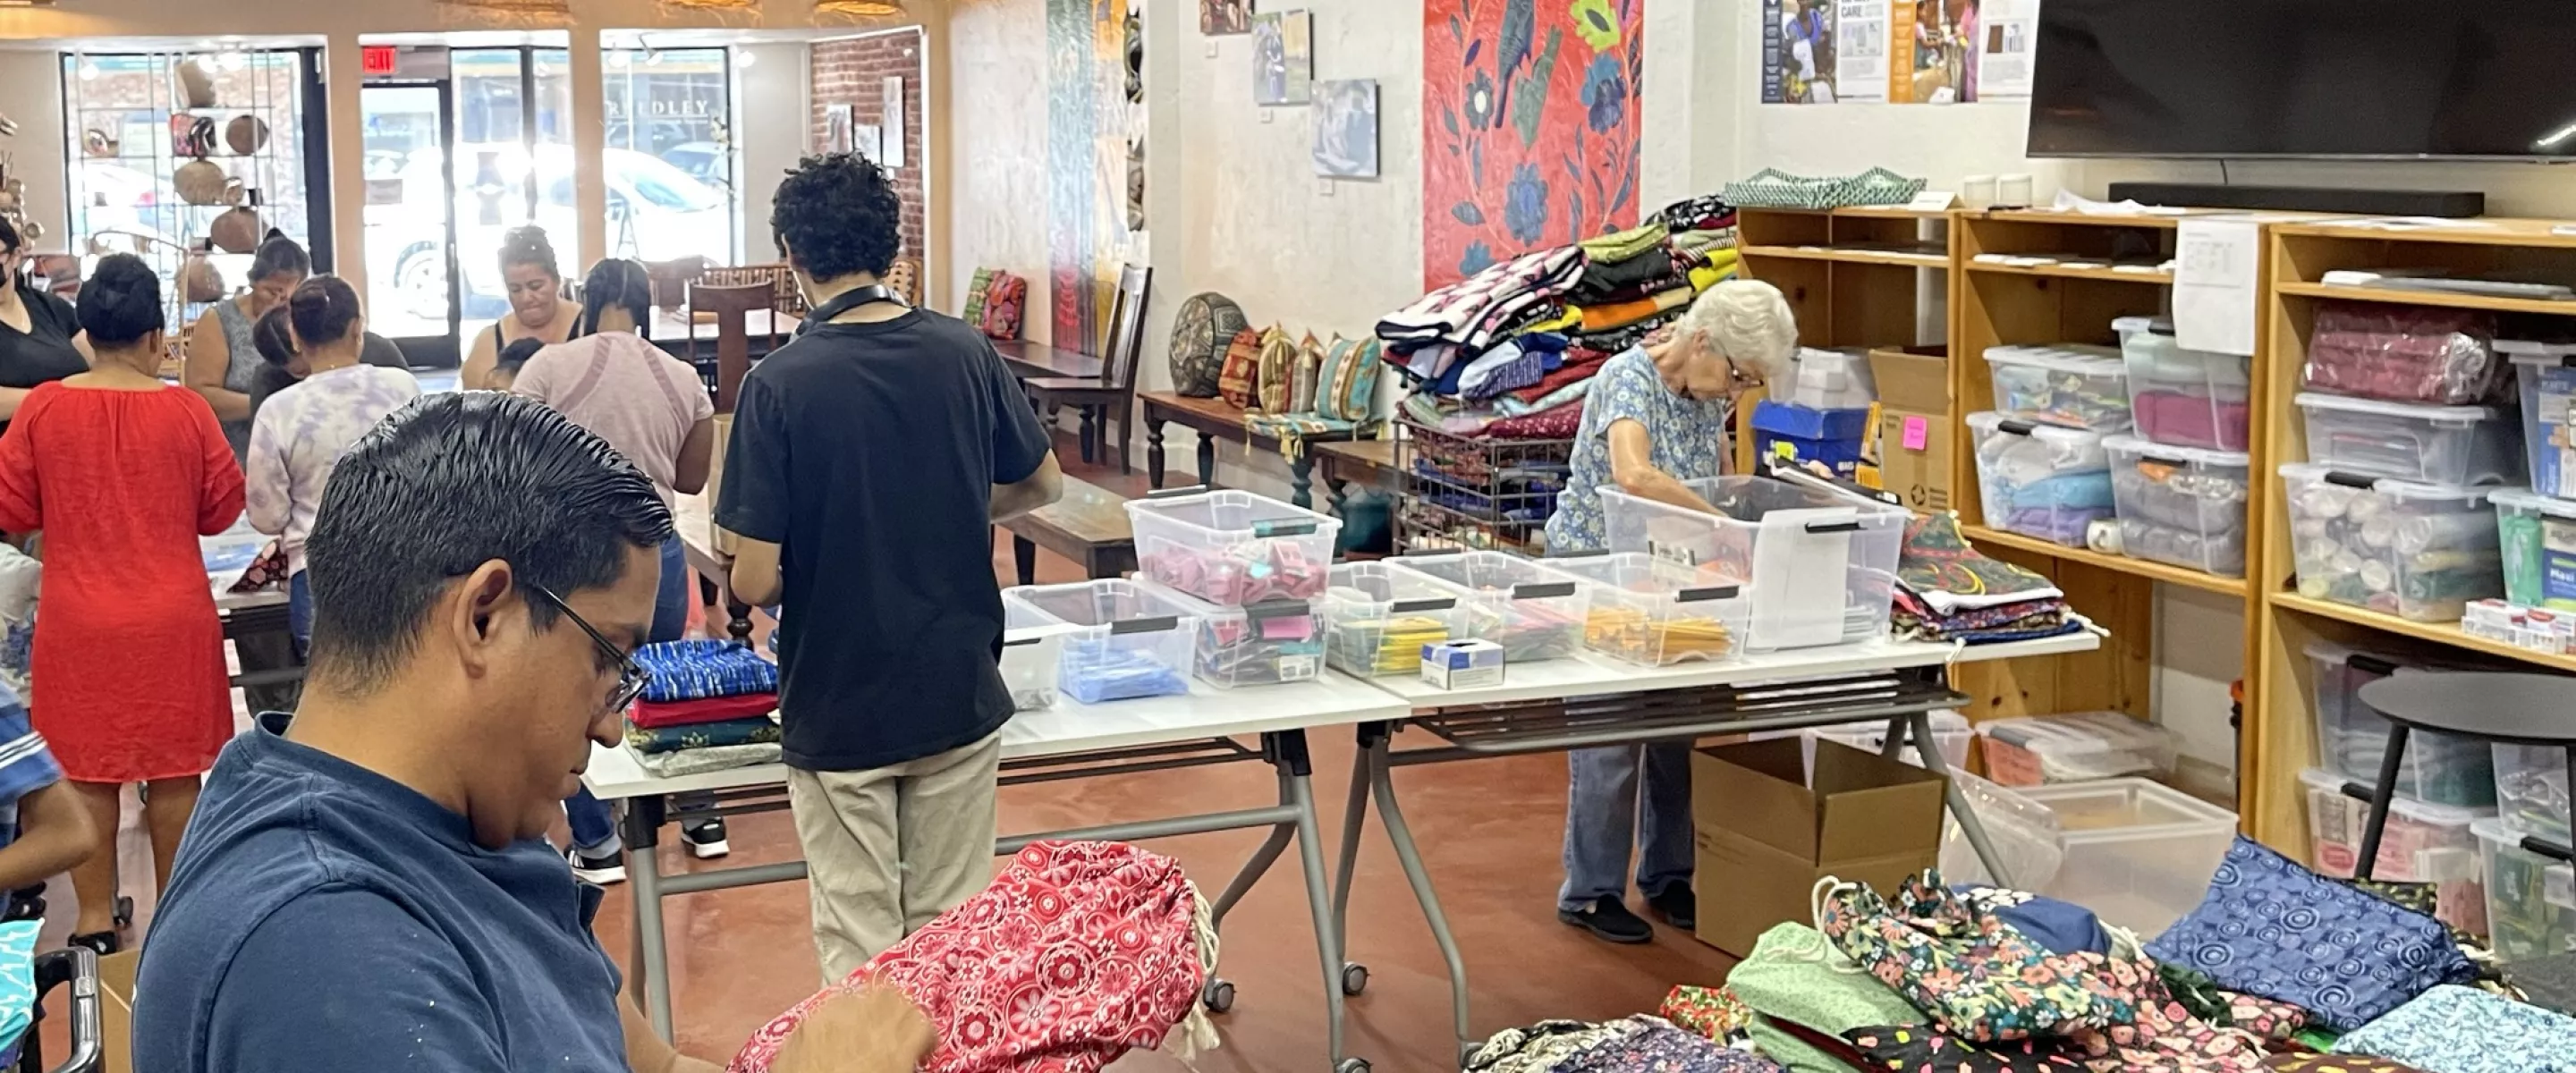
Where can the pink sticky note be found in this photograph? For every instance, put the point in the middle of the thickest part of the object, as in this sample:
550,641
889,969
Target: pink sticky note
1918,432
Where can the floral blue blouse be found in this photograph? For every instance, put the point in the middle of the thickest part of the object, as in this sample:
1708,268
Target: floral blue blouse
1689,437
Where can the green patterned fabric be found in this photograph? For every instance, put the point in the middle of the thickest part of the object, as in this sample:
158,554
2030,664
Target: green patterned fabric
1794,975
974,311
1771,188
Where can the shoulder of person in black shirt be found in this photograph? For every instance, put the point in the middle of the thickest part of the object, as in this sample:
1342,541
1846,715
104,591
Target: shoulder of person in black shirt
379,350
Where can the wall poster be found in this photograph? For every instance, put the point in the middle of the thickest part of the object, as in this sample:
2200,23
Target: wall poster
1530,127
1087,156
1900,51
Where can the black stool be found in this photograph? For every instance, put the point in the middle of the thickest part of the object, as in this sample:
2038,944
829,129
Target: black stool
2510,709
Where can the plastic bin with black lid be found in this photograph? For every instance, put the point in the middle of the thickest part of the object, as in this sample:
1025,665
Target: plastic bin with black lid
1232,548
2180,505
1534,612
2547,373
2040,480
1647,613
1131,643
2068,384
2418,551
2438,768
1267,643
2183,397
2455,445
2531,892
1377,617
1817,563
2423,843
2049,749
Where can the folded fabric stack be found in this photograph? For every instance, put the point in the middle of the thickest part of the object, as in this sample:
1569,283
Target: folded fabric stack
1639,1044
710,706
1947,590
1508,353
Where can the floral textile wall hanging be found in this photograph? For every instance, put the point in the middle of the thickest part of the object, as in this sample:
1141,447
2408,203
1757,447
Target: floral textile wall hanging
1531,129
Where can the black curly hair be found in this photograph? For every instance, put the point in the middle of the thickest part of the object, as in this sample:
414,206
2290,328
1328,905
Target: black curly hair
527,244
120,302
836,215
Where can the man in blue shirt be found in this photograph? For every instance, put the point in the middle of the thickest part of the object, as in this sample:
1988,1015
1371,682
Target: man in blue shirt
372,889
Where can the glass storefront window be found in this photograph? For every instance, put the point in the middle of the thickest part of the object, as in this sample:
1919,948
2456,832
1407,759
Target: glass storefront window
670,158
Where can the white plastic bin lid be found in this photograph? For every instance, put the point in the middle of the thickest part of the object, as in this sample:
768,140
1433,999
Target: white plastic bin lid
2202,456
2532,352
1990,421
2066,358
2435,415
2409,491
2423,812
2525,499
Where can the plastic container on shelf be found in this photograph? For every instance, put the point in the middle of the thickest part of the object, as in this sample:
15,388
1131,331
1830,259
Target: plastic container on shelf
2456,445
2068,384
2531,898
1264,644
1640,613
1377,618
2531,788
2180,505
2439,769
2406,353
2039,750
2040,480
1818,567
2547,372
2536,535
1032,649
1233,548
1836,439
2417,551
2423,843
2186,398
1832,380
1951,735
1535,613
2139,854
1130,642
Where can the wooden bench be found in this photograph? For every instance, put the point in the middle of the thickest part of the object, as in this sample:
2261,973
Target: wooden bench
1088,525
1038,360
1369,462
1217,419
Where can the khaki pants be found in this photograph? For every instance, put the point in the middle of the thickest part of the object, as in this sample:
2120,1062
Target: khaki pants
889,849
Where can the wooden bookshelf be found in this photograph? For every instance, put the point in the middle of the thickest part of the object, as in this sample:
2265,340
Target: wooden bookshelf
2118,564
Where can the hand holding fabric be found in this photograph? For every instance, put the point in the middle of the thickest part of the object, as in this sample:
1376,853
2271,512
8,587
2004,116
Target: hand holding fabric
872,1029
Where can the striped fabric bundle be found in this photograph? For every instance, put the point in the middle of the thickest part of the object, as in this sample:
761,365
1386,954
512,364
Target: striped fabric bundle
700,670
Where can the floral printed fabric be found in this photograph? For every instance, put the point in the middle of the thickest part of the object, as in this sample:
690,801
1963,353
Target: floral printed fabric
1919,1049
2270,927
2164,1038
1713,1012
1539,1047
2266,1018
1078,952
1980,978
759,730
698,670
1654,1046
2461,1030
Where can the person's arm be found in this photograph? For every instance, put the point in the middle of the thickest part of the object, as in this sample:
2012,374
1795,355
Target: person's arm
1036,490
55,835
342,978
209,357
753,575
22,500
10,397
1632,464
219,503
752,505
1025,474
645,1050
697,458
479,361
267,486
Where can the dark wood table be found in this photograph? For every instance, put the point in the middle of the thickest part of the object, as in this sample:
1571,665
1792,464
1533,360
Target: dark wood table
1369,462
1088,525
691,515
1217,419
1028,359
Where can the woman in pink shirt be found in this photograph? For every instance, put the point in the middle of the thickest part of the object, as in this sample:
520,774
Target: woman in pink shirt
654,409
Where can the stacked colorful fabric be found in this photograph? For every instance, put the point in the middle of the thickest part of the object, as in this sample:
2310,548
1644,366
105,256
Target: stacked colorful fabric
1949,591
709,706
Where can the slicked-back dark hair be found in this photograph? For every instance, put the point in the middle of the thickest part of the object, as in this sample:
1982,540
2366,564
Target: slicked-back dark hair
837,214
443,486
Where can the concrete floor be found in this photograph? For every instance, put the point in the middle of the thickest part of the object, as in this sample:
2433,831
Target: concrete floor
1490,832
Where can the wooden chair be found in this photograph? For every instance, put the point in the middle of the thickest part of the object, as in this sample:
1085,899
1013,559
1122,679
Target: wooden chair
731,305
904,279
671,280
1111,400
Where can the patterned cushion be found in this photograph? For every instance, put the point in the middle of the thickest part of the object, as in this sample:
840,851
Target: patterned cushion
1310,367
1200,332
1002,304
1348,388
1278,370
974,311
1242,367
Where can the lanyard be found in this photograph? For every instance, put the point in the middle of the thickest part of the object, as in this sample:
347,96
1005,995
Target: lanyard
845,302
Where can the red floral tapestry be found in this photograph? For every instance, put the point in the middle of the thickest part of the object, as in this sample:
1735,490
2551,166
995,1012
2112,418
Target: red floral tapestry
1530,127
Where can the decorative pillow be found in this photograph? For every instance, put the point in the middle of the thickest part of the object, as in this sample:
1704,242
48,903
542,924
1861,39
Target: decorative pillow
2272,928
974,311
1002,305
2463,1030
1242,368
1348,388
1278,369
1310,366
1207,322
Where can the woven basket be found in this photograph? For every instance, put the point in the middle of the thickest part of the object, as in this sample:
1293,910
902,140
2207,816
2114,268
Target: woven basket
1771,188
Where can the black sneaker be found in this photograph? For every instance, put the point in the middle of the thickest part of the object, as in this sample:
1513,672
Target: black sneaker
607,869
1677,905
1610,920
706,839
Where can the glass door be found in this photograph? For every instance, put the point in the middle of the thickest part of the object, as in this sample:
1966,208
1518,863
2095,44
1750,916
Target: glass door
410,232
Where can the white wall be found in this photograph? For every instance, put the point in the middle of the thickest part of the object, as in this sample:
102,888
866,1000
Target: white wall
31,92
996,60
770,106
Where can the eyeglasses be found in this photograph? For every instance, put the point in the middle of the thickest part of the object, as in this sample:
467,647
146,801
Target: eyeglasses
631,676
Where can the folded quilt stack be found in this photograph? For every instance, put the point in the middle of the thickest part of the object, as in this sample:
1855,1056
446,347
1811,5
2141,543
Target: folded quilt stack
709,706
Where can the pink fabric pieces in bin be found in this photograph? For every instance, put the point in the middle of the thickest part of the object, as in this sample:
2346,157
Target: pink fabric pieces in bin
2417,354
1078,952
2189,420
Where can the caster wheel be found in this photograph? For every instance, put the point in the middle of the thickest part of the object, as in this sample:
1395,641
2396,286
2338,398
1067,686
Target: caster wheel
1467,1053
1352,1065
1354,978
1219,996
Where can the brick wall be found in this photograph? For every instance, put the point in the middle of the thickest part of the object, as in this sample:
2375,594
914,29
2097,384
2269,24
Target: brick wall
853,72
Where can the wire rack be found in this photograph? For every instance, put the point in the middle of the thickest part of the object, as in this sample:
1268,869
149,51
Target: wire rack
1473,493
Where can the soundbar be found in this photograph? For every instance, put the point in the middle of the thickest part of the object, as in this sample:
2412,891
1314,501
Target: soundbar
2445,203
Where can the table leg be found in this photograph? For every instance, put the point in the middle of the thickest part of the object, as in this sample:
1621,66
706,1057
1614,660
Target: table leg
1089,434
651,962
2380,795
1287,752
1251,872
1354,820
1207,459
1153,449
1301,481
1382,781
1919,726
1024,555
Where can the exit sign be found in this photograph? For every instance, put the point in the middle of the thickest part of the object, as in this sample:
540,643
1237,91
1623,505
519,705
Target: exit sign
379,60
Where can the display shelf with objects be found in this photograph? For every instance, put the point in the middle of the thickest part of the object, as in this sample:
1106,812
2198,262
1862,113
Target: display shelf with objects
1856,277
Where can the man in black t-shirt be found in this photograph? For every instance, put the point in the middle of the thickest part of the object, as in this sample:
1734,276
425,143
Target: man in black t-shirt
870,459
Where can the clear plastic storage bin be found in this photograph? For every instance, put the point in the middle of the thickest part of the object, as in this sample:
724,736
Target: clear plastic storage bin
1818,567
1951,735
2547,372
1131,643
1535,613
2140,855
2040,480
2187,398
2455,445
2423,843
1832,380
2180,505
2417,551
2069,384
2440,769
2531,899
1641,614
2406,353
2536,535
1032,649
1377,618
2050,749
1233,548
2531,788
1264,644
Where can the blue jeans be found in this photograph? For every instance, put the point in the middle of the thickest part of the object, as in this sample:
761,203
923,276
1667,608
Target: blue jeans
594,827
299,614
1602,822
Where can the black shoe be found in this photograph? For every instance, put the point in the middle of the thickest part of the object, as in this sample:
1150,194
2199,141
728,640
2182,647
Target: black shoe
1610,920
101,943
706,839
607,869
1677,905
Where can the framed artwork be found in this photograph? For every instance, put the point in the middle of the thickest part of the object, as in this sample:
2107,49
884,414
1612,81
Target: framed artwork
893,88
1218,17
868,140
1283,57
837,136
1346,128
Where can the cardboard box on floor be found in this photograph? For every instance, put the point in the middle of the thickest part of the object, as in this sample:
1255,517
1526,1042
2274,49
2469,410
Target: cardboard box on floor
1766,835
1914,439
116,1008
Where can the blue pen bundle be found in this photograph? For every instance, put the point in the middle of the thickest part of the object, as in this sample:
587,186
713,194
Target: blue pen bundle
1130,639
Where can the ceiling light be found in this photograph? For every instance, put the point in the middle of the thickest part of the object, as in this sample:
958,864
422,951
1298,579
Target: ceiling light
233,61
743,57
88,69
619,59
870,8
653,58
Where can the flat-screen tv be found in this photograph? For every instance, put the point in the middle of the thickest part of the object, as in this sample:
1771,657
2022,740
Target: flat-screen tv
2305,78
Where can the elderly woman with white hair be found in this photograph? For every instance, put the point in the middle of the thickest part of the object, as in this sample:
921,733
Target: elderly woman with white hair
1656,416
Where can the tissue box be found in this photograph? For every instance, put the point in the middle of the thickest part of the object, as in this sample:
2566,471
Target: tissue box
1469,664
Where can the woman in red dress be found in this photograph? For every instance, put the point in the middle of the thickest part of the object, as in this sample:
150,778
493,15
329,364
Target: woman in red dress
122,473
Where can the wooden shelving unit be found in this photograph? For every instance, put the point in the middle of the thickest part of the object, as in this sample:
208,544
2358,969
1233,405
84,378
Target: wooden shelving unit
1854,276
